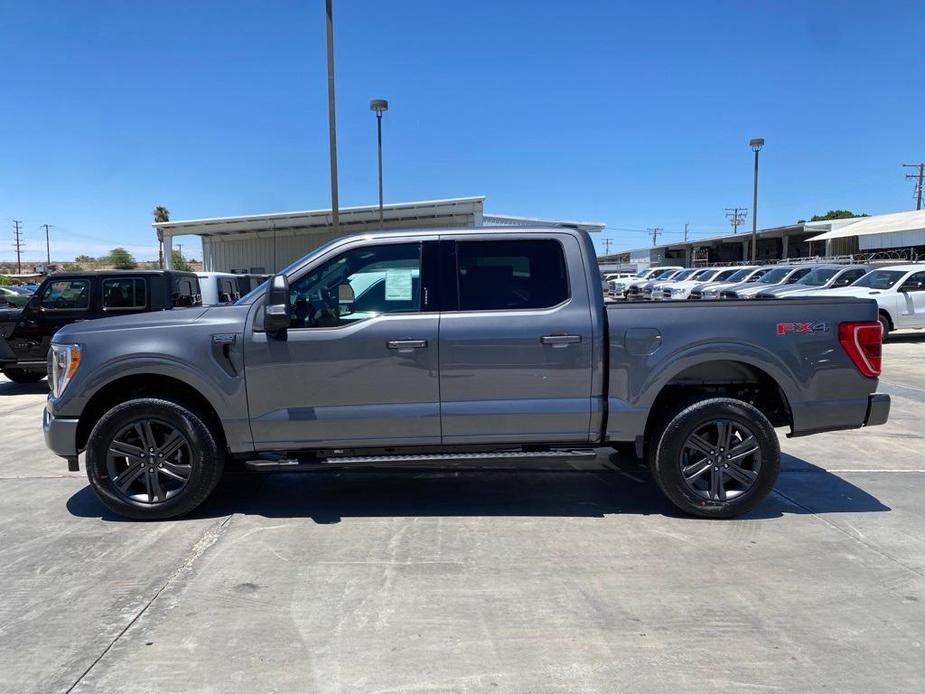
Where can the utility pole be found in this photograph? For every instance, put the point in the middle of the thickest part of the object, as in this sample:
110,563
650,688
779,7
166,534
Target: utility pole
180,249
332,126
606,243
685,232
736,215
919,178
655,231
47,247
17,242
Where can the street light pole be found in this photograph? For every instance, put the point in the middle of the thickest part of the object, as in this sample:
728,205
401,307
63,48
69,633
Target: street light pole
332,128
756,144
379,106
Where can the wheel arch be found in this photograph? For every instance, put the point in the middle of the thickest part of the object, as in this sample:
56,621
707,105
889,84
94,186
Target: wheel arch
147,385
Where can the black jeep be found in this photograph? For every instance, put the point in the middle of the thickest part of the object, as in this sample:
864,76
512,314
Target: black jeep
68,297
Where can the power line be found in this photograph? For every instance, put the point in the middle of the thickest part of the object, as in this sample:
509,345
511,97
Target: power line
736,215
655,231
17,242
918,178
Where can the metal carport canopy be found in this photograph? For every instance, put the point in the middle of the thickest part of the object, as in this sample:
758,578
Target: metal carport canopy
866,226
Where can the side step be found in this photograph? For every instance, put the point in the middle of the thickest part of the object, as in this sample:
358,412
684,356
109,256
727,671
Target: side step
295,464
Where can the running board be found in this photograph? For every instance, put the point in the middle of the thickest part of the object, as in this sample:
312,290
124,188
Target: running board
295,464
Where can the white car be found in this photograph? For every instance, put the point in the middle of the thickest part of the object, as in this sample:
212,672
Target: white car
634,289
898,290
741,276
218,288
617,287
655,290
682,290
776,277
822,277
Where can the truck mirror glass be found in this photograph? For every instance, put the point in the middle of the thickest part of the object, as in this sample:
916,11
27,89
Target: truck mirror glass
345,294
276,311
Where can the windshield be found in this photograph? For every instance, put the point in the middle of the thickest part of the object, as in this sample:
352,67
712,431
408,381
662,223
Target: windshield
776,276
684,275
880,279
664,274
740,275
819,276
704,275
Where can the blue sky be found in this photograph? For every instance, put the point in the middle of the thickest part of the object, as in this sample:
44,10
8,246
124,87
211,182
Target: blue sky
634,114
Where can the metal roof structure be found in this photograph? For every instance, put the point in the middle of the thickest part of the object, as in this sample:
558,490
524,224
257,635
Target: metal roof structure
897,222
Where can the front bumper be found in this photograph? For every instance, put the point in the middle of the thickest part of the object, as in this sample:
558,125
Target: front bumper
60,434
878,409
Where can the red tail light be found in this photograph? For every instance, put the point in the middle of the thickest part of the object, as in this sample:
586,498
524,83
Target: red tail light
863,342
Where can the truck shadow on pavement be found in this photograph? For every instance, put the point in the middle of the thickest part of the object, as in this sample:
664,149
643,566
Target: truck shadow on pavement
10,388
548,489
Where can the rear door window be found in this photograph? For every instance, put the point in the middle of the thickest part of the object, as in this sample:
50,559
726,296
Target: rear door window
186,292
124,293
511,275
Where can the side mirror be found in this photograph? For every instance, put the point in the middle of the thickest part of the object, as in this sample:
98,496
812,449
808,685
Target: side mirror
345,294
276,310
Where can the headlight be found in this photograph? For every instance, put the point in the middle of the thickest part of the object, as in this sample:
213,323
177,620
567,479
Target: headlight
676,292
65,360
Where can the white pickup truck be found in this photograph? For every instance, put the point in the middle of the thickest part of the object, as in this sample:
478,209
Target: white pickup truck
898,290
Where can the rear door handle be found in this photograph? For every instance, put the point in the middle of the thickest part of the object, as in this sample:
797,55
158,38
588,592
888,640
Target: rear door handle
560,340
406,345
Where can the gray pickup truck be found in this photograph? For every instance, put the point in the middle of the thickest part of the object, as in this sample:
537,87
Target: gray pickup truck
449,344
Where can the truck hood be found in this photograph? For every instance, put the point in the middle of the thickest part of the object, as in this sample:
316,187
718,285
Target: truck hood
154,319
859,292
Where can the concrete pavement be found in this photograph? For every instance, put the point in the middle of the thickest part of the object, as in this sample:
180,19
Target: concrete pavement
527,578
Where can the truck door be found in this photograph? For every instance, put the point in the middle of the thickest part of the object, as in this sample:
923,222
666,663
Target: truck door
358,367
57,303
912,302
515,341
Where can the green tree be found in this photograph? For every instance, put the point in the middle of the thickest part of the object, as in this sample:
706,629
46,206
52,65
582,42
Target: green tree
833,214
85,259
4,281
178,262
121,259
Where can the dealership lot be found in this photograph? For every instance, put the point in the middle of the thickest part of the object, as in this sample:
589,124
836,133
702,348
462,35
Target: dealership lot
552,576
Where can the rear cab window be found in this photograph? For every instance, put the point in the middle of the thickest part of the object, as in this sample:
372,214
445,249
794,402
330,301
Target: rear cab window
511,275
124,293
186,292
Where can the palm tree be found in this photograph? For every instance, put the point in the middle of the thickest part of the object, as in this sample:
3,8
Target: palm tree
161,214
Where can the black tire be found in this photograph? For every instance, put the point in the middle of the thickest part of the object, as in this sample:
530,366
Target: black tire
23,376
885,323
734,487
198,458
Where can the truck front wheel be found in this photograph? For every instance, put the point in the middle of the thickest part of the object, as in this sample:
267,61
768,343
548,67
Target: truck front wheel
151,459
717,458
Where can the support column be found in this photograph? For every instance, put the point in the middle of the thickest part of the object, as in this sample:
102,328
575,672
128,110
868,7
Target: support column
745,250
168,251
783,245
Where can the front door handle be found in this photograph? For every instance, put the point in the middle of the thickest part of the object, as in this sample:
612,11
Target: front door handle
560,341
406,345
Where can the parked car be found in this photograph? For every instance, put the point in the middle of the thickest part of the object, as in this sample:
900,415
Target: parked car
607,277
617,287
821,277
10,297
682,290
737,279
218,288
634,289
775,277
460,344
653,290
68,297
899,292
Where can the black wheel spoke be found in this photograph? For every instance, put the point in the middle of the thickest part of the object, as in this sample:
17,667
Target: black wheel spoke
124,481
698,443
126,449
717,488
746,477
177,472
172,445
723,434
155,489
744,448
696,470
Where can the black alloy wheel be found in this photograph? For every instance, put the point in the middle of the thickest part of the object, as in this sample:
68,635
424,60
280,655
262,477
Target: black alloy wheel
149,461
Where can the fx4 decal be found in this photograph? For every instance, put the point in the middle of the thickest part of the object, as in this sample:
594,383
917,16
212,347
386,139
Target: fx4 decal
802,328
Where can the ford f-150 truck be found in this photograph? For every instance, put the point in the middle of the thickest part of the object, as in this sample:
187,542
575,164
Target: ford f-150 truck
444,344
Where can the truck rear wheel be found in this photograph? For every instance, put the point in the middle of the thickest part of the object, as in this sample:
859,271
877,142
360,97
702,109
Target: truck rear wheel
151,459
23,376
717,458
